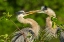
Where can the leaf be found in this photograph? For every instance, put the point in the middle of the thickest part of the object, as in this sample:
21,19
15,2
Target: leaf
53,19
4,13
2,40
9,15
29,35
6,35
54,25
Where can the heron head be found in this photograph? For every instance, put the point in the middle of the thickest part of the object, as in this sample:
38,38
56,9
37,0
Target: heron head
21,13
46,10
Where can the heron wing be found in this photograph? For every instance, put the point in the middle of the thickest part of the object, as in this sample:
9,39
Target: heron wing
18,37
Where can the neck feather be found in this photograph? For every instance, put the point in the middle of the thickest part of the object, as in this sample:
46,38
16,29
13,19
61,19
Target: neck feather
34,24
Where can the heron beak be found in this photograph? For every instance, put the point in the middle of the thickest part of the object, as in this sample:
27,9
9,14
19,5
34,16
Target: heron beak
26,14
32,12
36,11
40,11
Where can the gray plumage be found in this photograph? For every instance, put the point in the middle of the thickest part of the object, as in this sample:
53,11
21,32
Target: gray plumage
62,36
18,37
50,31
29,33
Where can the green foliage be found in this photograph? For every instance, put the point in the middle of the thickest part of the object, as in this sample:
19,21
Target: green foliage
9,7
4,38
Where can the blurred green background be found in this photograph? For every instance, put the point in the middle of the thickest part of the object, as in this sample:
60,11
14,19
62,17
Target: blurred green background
12,6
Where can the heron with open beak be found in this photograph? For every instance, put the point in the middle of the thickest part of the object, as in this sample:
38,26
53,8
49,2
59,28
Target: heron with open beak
27,34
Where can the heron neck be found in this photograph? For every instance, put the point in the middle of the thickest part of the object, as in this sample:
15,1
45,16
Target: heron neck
48,22
34,24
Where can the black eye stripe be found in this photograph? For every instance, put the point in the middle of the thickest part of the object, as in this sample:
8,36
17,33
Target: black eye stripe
19,12
44,8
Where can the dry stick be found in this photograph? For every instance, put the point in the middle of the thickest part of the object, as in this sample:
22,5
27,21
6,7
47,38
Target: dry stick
19,30
30,12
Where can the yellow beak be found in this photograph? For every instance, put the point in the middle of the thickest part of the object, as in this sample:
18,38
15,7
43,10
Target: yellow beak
32,12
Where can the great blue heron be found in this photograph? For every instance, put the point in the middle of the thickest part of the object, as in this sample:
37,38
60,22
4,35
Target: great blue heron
51,27
30,33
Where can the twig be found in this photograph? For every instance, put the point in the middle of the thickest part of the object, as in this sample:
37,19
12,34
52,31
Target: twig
19,30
